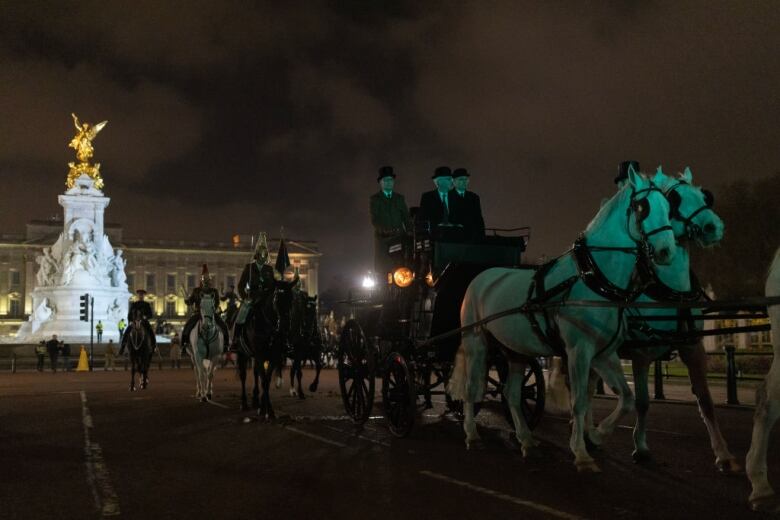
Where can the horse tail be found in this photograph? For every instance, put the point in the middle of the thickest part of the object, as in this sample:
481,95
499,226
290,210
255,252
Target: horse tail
467,382
558,396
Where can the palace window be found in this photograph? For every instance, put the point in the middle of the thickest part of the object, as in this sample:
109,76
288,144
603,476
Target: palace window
170,308
15,307
150,282
190,282
16,278
230,280
131,282
170,283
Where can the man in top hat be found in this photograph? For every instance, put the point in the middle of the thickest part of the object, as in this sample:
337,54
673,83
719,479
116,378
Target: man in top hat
389,216
623,168
467,208
145,310
204,289
256,288
437,206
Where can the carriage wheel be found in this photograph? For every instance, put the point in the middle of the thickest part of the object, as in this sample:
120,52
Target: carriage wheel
356,372
399,396
532,402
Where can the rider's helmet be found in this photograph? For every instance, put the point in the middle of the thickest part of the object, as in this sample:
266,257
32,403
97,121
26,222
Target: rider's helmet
205,278
261,249
141,293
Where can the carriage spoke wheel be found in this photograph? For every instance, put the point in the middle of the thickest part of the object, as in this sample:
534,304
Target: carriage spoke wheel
356,372
399,396
532,402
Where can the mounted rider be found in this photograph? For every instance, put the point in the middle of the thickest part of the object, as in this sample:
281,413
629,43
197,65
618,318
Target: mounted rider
145,310
204,289
256,287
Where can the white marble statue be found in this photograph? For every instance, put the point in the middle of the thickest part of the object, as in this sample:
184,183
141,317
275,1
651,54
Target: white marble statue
49,266
43,312
118,276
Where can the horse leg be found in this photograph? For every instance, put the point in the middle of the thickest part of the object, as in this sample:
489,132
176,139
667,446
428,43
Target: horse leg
242,363
579,356
299,376
132,373
611,372
762,496
293,367
641,368
513,392
318,368
696,360
467,383
256,390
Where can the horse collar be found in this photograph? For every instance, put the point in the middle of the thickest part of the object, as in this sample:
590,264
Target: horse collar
595,279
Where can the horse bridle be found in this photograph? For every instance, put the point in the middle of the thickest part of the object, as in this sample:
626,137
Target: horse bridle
692,230
641,210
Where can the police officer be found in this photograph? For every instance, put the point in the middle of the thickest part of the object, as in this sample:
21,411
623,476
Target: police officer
145,310
389,216
467,208
204,289
256,288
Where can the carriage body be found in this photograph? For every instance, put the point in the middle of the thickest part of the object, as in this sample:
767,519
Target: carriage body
406,330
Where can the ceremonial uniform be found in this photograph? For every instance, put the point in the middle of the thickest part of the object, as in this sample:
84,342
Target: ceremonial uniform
467,211
390,218
194,300
145,311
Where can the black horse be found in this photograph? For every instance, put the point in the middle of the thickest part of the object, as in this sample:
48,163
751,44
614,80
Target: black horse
139,346
306,343
263,340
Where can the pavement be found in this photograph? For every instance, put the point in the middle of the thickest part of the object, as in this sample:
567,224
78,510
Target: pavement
80,445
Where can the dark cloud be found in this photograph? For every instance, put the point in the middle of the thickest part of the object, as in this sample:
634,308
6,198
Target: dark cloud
228,117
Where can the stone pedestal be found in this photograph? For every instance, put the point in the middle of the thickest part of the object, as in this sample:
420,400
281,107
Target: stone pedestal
81,261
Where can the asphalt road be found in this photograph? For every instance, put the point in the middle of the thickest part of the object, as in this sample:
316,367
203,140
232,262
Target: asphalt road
80,445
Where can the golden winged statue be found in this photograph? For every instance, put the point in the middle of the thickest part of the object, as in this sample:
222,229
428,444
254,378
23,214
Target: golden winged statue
82,143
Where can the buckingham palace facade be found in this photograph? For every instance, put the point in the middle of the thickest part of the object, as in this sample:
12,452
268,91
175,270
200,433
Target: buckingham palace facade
167,269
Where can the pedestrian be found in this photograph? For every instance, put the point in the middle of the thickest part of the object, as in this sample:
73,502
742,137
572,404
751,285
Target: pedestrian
66,357
99,330
53,348
175,351
121,326
40,351
109,354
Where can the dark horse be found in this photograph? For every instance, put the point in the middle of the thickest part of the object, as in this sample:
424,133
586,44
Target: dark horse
139,345
262,342
305,343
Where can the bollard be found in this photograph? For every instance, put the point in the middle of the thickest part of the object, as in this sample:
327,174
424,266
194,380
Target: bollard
659,381
731,377
13,363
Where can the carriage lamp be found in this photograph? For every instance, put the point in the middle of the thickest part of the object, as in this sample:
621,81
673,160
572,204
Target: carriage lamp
403,277
429,279
368,282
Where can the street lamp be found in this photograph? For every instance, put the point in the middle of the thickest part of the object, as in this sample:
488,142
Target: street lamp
368,282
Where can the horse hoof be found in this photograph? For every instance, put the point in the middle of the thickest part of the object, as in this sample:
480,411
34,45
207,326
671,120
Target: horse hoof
587,467
641,457
592,444
475,445
301,397
765,504
313,387
729,467
244,407
532,452
278,382
132,388
208,397
203,399
293,393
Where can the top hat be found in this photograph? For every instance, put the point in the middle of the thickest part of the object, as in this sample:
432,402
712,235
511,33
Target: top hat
140,291
623,170
460,172
442,171
385,171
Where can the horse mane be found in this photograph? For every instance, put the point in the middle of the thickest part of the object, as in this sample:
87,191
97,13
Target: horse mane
609,206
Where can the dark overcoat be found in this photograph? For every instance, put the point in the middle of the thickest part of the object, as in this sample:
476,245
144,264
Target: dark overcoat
390,218
467,211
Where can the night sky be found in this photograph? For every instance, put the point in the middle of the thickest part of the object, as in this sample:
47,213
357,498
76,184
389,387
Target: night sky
239,117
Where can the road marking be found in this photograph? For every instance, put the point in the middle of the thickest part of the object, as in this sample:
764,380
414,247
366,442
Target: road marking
218,404
99,481
315,436
502,496
363,437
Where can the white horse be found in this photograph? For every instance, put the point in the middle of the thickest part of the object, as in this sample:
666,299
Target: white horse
693,219
767,407
206,348
614,245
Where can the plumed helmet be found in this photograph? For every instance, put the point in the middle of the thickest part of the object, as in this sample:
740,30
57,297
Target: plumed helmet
261,249
205,278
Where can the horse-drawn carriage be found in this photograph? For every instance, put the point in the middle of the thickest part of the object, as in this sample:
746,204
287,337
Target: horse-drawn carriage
405,330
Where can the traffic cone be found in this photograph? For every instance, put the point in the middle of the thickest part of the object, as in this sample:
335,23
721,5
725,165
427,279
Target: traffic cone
83,361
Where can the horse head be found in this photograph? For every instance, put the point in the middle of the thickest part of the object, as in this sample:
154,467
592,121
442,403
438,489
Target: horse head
648,217
690,209
207,307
